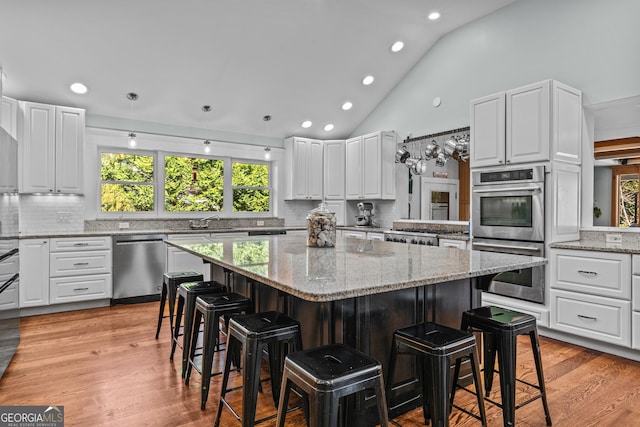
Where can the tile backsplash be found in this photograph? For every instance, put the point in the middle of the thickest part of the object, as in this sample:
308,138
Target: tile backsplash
51,213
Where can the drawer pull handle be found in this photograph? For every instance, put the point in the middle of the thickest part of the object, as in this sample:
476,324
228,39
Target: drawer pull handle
80,289
588,273
80,264
80,244
582,316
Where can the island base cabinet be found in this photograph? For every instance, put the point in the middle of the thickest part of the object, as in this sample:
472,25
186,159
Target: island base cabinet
590,316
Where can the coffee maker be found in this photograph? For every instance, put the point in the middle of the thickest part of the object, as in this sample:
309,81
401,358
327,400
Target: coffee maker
365,216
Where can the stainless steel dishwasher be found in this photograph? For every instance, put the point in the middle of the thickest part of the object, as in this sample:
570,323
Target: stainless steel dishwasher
138,265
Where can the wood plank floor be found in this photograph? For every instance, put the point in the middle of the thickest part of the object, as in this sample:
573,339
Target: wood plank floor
106,368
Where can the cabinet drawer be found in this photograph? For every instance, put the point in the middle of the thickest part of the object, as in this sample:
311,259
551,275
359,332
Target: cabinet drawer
9,298
635,291
603,319
80,288
79,263
596,273
635,327
80,244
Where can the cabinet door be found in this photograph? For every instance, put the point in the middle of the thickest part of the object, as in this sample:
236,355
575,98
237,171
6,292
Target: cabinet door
528,121
566,136
487,146
353,183
565,202
300,155
314,170
69,149
34,272
37,154
334,173
9,119
372,166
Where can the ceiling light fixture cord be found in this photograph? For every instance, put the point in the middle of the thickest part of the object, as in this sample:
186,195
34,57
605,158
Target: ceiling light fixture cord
132,96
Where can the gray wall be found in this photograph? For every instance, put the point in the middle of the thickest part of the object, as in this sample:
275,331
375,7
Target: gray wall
602,195
589,44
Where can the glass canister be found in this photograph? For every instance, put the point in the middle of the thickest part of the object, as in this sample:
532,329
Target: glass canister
321,227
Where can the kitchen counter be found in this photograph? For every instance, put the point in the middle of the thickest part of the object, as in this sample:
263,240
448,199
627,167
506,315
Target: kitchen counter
354,268
127,232
594,245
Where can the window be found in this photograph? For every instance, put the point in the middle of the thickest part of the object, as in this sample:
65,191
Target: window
127,182
193,184
625,189
250,182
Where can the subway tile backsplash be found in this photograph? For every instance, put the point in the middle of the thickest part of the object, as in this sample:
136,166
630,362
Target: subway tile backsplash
55,213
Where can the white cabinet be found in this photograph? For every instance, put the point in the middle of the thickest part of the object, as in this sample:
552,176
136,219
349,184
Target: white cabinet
370,167
303,168
375,236
34,272
51,146
179,260
452,243
80,269
354,234
537,122
591,295
334,169
9,118
635,302
8,268
563,213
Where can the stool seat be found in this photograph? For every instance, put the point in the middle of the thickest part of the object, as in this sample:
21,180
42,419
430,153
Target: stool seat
327,374
209,309
187,294
253,333
170,283
436,346
500,328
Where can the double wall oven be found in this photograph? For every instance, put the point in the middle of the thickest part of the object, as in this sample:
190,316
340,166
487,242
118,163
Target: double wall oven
508,217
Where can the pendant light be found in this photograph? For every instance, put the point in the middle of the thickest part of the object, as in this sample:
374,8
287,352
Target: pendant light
267,150
207,143
132,96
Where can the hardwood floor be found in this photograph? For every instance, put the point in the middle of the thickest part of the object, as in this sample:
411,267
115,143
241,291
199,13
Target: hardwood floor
105,367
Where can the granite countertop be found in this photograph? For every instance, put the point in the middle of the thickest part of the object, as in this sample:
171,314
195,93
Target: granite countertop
599,245
353,268
145,232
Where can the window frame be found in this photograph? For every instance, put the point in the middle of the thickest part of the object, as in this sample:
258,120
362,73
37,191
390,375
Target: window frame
268,187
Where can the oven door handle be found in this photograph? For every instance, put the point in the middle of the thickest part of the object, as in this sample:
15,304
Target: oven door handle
535,189
509,247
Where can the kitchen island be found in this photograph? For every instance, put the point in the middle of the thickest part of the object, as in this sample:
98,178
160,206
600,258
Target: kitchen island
359,292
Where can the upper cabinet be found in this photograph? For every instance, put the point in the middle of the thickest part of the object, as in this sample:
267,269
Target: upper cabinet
537,122
370,171
9,119
334,169
51,146
303,168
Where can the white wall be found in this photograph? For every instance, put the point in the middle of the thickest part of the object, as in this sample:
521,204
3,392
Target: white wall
602,195
588,44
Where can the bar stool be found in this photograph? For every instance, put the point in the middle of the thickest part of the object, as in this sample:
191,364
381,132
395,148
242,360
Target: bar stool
500,328
170,284
209,309
436,346
252,333
187,294
326,374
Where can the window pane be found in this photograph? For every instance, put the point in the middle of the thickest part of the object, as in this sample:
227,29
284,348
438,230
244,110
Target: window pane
250,175
193,184
628,200
126,198
126,167
248,200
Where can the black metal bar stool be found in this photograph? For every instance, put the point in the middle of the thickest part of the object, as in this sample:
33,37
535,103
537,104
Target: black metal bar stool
170,284
500,328
187,294
326,374
209,309
252,333
436,347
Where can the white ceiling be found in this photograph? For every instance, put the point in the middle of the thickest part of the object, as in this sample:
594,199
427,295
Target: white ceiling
292,59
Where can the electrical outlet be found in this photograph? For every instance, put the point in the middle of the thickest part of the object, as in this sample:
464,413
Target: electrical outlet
62,217
613,238
123,225
260,223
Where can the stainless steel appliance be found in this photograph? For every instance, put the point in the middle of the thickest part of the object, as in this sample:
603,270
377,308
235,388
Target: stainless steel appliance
138,265
526,284
365,216
508,203
415,237
9,308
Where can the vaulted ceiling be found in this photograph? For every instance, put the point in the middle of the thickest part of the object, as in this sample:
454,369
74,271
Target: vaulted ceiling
295,60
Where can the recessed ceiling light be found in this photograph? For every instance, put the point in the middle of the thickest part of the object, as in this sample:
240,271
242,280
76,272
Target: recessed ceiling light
347,105
397,46
306,124
328,127
367,80
434,15
78,88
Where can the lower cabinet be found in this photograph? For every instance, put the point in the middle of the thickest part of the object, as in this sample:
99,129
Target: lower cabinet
8,268
451,243
79,288
34,272
354,234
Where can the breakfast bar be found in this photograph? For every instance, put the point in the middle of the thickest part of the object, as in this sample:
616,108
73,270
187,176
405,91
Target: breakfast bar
358,292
